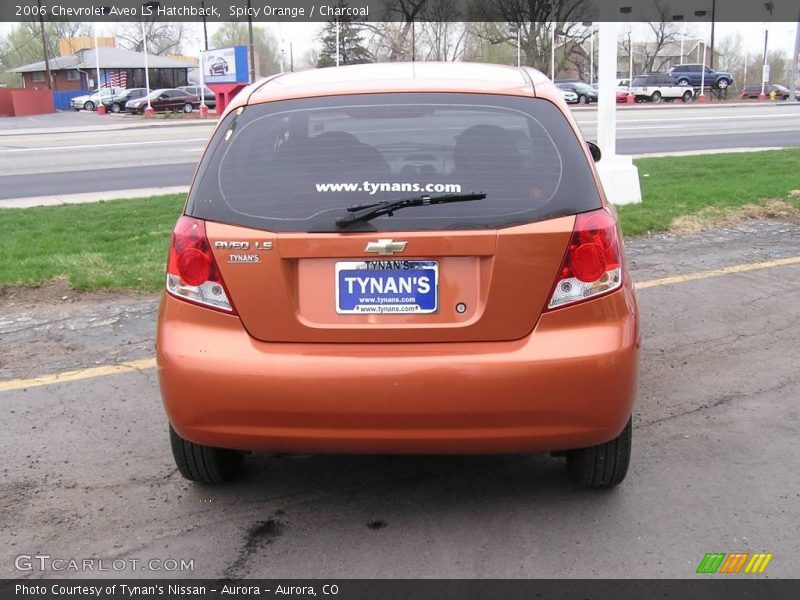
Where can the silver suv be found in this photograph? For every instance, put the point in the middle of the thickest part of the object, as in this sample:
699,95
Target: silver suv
659,86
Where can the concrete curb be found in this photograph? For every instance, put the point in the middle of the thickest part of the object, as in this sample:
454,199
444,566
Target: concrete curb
90,197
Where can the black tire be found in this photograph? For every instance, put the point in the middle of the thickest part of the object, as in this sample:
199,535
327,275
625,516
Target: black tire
583,99
116,107
683,81
656,97
723,83
687,96
187,108
88,105
204,464
602,466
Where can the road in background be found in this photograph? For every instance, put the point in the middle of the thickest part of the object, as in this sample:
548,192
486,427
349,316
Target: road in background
89,156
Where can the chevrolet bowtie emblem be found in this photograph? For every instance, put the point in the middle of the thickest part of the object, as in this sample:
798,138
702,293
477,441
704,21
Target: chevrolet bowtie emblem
385,247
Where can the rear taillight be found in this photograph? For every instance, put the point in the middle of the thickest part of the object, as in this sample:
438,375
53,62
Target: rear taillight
192,272
592,265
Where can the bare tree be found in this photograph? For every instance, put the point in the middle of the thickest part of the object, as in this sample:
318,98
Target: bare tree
538,20
162,37
663,32
394,40
444,38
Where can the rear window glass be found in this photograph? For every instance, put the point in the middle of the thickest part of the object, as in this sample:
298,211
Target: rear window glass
296,165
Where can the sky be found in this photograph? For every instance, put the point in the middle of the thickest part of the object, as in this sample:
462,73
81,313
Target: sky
303,36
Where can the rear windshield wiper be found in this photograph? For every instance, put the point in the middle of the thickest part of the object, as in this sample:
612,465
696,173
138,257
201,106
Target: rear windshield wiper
366,212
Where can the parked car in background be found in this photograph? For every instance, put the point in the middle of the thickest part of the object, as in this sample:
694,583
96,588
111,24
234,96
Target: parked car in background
656,87
90,101
209,97
483,306
622,94
165,100
569,96
692,74
116,103
754,91
584,91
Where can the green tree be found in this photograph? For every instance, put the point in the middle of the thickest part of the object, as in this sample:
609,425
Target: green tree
265,46
23,45
352,50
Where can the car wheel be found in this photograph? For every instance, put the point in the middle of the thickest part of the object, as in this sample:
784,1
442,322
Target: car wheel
204,464
115,108
656,97
602,466
582,99
88,106
687,96
187,108
683,81
723,83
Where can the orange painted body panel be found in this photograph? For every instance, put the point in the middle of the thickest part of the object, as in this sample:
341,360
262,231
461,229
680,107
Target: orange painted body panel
289,295
569,384
287,374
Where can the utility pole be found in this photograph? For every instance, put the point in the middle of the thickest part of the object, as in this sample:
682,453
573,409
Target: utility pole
713,15
591,56
205,29
252,50
793,82
44,47
769,6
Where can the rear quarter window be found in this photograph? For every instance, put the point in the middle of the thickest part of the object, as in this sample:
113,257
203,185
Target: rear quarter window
296,165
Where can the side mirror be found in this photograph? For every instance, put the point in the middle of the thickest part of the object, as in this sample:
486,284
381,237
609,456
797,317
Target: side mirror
594,150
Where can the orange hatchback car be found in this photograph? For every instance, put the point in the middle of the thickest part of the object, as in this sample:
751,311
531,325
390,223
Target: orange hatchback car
398,258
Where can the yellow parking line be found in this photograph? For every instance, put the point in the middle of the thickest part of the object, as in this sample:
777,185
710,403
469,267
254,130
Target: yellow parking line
150,363
126,367
780,262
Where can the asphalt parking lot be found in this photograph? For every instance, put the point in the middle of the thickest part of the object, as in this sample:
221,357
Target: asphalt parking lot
87,470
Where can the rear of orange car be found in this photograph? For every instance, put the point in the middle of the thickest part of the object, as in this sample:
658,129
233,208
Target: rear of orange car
487,309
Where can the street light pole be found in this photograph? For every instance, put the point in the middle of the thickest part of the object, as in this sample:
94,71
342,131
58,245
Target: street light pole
630,55
626,11
337,41
702,97
514,28
553,52
149,110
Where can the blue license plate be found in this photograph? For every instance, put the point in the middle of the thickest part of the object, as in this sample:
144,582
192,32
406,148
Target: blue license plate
387,286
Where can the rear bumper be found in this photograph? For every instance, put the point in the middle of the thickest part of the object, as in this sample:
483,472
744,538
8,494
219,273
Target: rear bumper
570,384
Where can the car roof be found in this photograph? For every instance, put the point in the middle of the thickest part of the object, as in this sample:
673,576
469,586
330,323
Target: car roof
400,77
